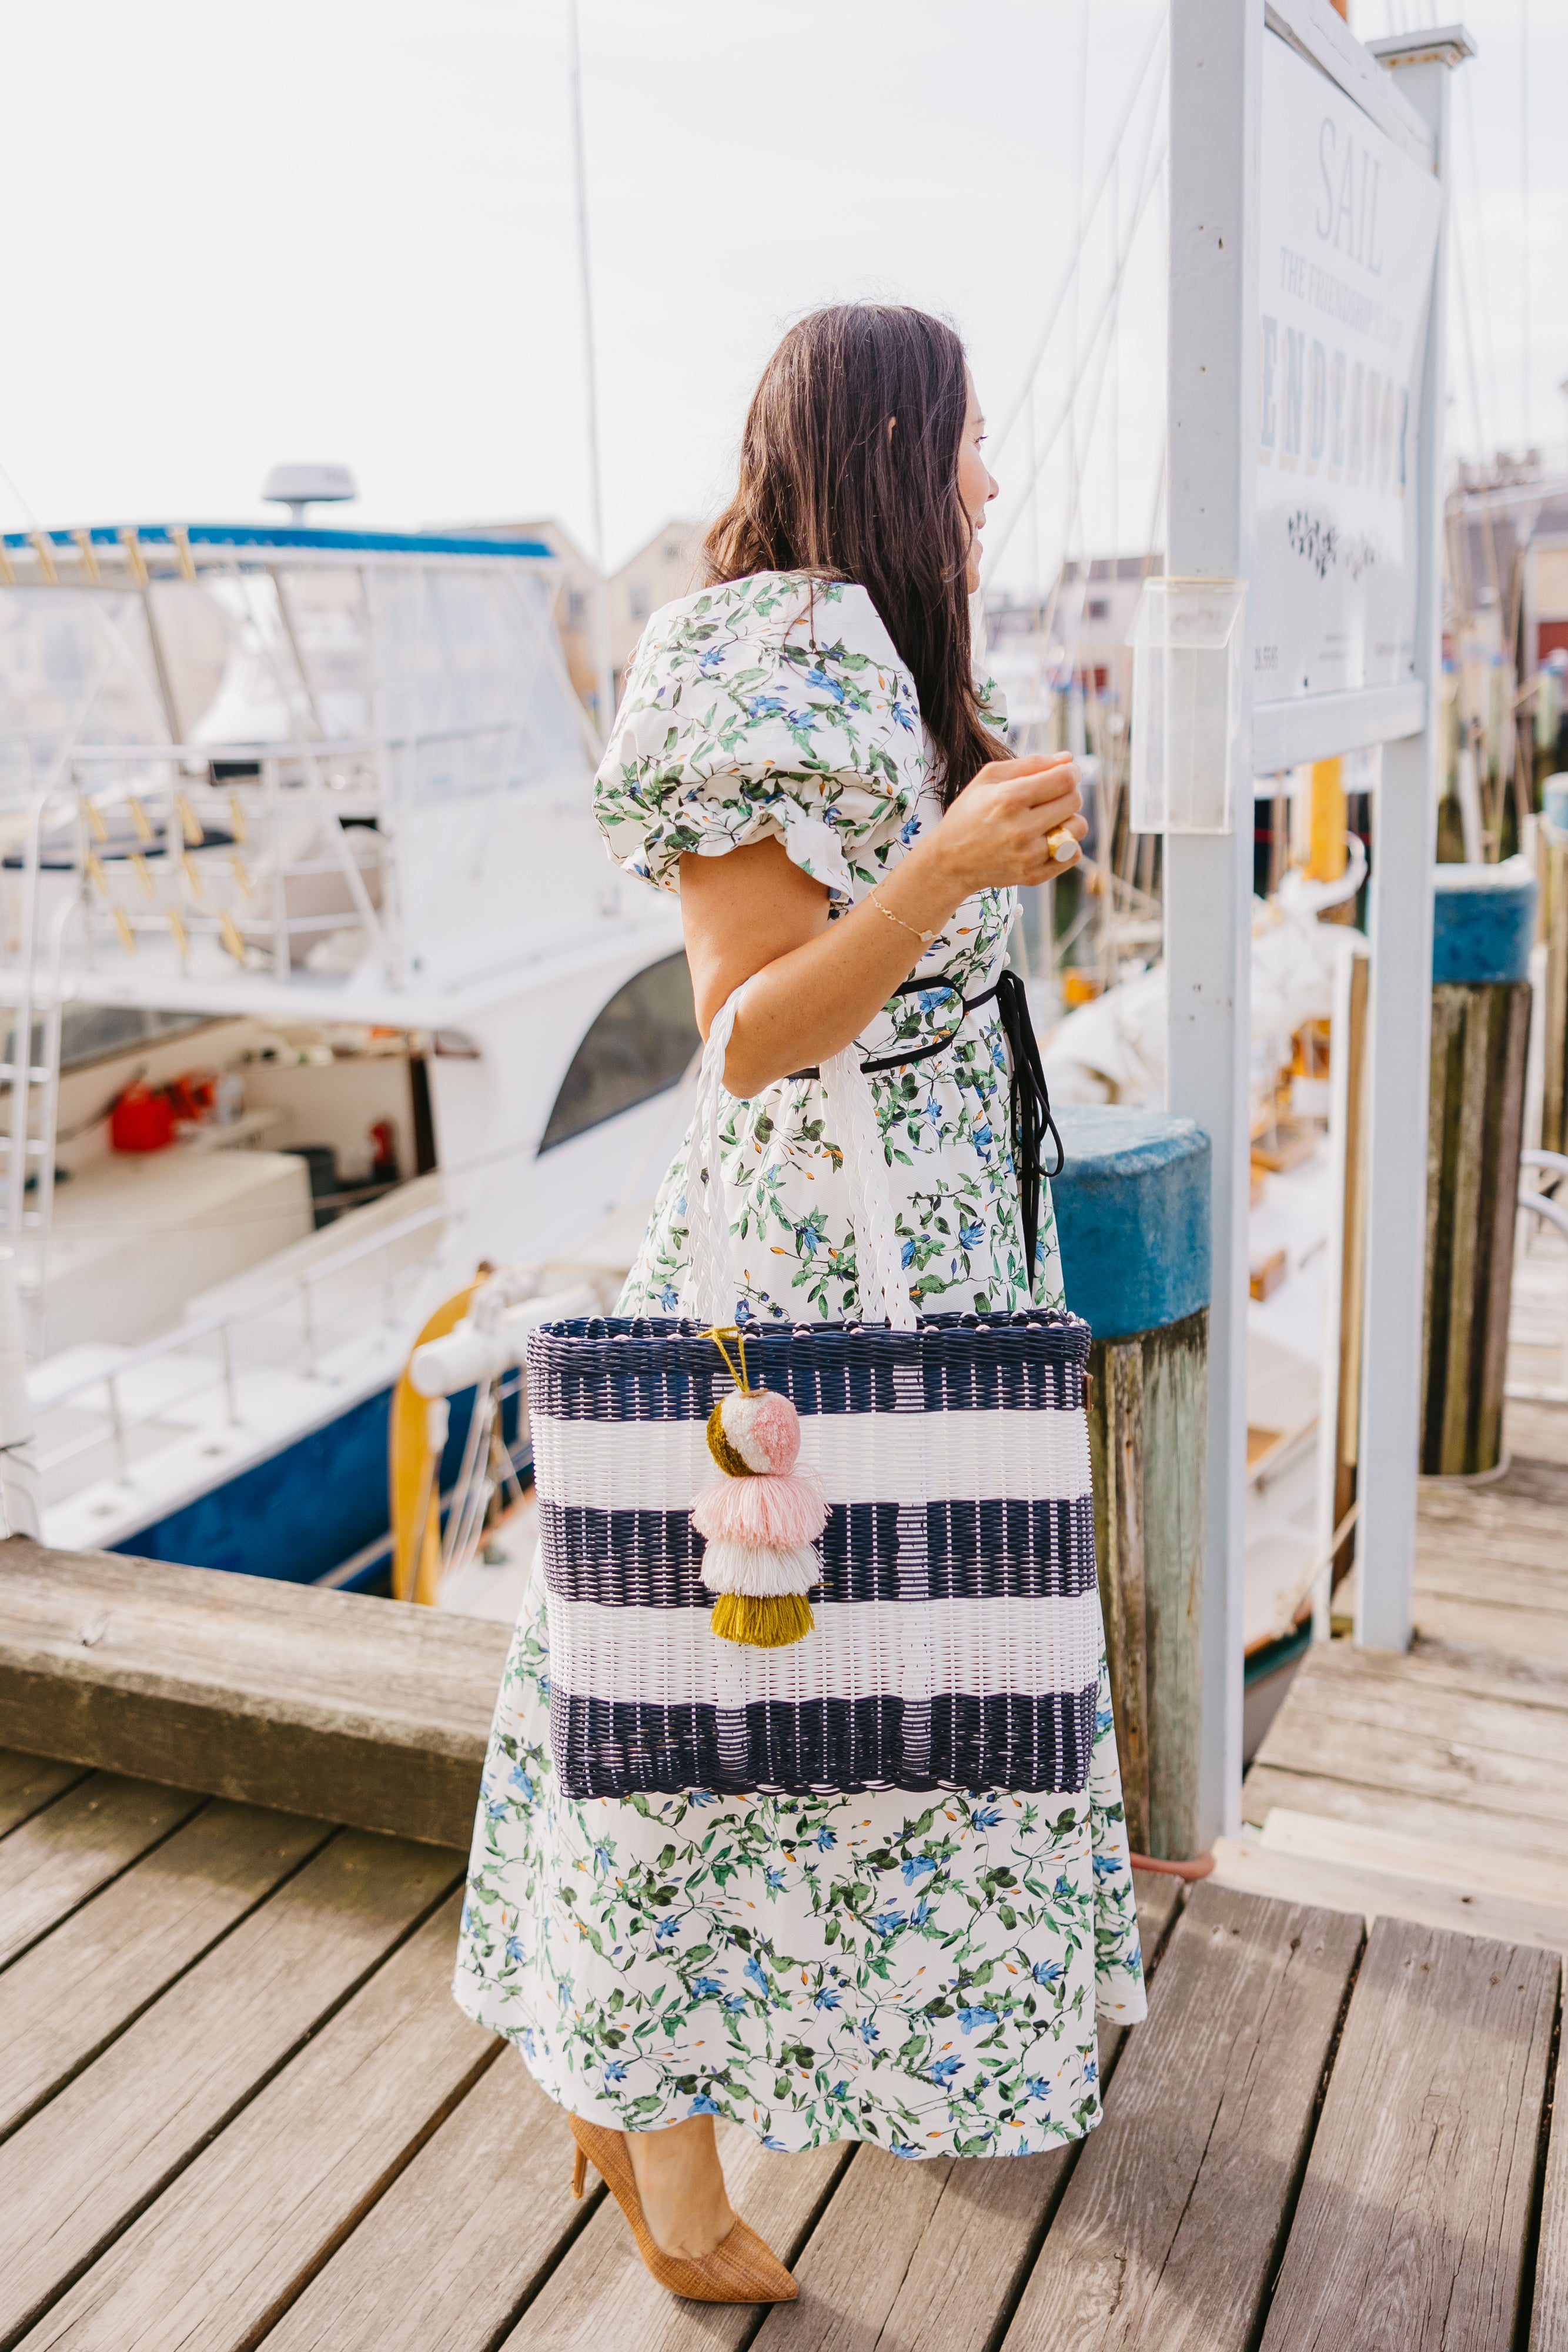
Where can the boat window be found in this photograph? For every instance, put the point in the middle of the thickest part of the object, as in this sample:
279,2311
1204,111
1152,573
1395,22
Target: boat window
640,1045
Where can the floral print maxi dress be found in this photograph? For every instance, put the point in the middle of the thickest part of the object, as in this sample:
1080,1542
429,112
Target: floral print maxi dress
920,1971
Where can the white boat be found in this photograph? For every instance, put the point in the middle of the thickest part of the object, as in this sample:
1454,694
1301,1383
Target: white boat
310,810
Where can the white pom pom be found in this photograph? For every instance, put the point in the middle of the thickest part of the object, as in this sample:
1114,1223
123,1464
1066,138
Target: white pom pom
760,1571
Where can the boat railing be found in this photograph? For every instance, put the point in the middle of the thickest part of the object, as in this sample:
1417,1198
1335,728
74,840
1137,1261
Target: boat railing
217,1330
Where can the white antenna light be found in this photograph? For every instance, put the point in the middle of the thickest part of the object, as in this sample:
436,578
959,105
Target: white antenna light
297,487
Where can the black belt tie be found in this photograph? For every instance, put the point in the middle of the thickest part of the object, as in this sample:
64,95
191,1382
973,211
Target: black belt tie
1028,1101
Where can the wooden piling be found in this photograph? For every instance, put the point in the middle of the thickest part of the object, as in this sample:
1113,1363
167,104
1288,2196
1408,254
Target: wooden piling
1553,868
1480,1030
1133,1211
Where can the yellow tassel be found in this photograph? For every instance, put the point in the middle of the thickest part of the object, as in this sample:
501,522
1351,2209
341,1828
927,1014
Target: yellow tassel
766,1624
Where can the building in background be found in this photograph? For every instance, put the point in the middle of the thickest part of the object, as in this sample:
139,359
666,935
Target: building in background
668,565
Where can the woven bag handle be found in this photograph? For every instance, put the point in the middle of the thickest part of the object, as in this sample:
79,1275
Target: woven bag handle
884,1293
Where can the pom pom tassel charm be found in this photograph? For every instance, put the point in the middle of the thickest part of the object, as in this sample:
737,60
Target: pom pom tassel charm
759,1524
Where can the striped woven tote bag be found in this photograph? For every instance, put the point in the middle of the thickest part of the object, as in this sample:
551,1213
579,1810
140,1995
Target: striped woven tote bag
954,1616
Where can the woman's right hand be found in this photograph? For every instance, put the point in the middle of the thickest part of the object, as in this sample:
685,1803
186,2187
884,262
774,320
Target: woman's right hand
998,833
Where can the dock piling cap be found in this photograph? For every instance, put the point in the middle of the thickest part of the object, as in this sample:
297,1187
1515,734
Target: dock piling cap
1483,923
1555,802
1133,1214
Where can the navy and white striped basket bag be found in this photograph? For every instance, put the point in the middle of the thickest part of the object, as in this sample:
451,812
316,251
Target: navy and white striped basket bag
957,1632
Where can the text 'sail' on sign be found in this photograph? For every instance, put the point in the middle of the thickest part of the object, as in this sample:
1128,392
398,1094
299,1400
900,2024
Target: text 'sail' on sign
1348,238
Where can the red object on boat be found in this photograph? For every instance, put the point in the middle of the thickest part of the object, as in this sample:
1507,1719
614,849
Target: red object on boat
141,1120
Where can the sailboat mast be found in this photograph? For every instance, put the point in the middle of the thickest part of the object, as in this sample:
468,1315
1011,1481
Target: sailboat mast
604,670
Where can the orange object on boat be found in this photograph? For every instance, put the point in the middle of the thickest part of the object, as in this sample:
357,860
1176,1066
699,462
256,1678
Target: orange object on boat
141,1120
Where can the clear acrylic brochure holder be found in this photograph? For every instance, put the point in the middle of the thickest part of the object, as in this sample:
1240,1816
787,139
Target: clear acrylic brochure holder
1187,641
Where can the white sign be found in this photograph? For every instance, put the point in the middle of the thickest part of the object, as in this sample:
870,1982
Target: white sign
1348,238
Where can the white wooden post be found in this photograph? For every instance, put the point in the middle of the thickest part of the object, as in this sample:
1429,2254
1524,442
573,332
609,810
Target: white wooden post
1215,101
1405,840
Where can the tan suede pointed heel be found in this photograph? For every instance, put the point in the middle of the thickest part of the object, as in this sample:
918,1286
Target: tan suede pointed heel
740,2269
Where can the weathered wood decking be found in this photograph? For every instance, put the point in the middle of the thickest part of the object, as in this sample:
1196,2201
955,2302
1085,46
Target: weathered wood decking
238,2107
1434,1782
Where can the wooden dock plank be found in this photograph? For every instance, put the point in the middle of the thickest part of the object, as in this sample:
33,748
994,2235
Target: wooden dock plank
933,2255
1415,2206
1461,1773
66,1852
601,2299
369,1713
217,2259
27,1783
1372,1894
73,2175
1168,2229
120,1950
460,2242
1549,2316
1539,1635
1395,1808
1354,1707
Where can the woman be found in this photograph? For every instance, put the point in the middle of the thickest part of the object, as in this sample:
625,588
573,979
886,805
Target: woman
803,754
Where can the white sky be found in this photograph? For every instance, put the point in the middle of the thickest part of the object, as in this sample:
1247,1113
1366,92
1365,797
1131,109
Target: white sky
345,229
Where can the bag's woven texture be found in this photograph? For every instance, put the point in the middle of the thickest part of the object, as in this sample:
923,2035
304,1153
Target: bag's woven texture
957,1621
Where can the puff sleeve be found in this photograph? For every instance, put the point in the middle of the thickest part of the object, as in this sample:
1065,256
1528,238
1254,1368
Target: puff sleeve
768,706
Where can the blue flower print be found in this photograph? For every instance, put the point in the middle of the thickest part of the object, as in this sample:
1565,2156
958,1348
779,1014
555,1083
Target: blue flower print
824,1840
1106,1866
976,2021
616,2071
914,1863
986,1817
888,1923
753,1970
665,1930
944,2069
1036,2086
765,706
706,1988
1047,1972
703,2105
902,2147
971,1235
670,1300
921,1912
906,1254
826,2000
869,2032
829,684
522,1783
517,1950
735,2002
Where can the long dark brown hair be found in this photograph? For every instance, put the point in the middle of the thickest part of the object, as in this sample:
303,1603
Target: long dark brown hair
849,468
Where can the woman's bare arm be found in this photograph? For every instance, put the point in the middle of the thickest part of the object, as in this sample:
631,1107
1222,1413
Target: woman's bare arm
752,915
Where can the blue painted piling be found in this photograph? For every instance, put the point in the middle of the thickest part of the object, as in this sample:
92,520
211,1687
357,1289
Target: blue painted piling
1482,932
1483,923
1133,1214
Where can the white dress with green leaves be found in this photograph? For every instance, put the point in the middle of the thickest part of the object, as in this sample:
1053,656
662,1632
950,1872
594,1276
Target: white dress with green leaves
920,1971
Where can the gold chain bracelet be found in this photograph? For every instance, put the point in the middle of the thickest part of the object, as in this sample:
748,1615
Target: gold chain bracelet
924,937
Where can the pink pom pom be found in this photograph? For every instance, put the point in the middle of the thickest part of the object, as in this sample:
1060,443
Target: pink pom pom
764,1429
781,1511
